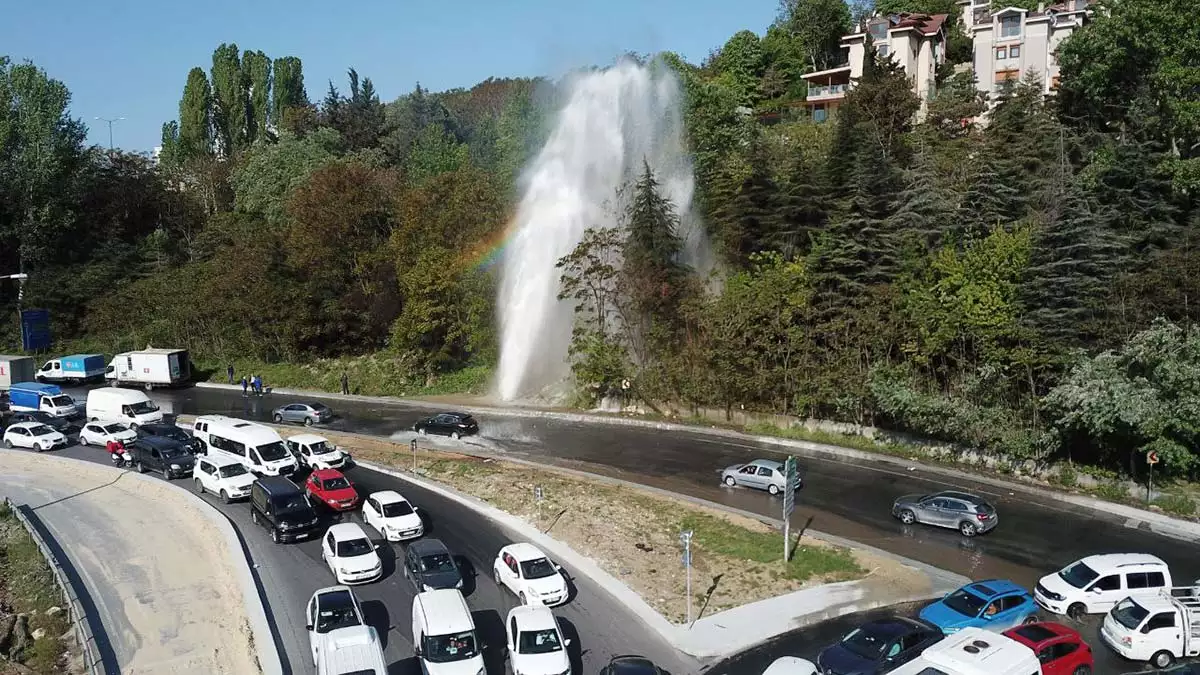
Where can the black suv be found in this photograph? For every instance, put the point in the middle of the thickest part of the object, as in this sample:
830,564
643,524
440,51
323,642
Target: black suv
156,453
280,506
174,433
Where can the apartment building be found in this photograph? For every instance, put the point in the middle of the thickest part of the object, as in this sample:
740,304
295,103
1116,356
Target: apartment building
1011,42
916,42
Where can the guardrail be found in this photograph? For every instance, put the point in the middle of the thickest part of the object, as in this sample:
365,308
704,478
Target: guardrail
85,632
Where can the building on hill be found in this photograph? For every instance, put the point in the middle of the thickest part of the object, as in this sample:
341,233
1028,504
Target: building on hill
1012,42
916,42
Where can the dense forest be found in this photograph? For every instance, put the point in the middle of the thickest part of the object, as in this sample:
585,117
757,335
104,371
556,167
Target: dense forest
1026,286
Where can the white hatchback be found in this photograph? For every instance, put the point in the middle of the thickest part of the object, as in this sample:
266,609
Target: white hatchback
530,575
100,433
222,476
535,644
33,435
393,515
350,554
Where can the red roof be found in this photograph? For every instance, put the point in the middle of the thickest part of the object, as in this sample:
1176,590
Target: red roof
926,24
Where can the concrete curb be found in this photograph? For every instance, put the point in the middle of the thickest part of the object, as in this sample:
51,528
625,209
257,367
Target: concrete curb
1159,523
264,638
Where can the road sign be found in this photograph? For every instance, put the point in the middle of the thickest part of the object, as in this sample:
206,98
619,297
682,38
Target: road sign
35,330
1152,457
685,538
789,487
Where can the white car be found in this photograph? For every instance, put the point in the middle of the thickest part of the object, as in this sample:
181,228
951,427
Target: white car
791,665
337,632
100,433
33,435
393,515
535,644
530,575
351,556
316,452
222,476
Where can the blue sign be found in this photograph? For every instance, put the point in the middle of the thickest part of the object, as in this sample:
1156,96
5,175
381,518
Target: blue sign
35,330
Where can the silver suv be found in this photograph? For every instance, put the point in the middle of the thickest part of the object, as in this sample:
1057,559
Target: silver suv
967,513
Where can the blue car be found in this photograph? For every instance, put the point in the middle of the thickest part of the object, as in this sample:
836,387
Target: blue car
878,647
994,605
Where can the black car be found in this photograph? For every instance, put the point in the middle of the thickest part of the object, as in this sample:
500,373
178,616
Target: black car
168,457
280,506
452,424
631,665
1181,669
174,433
878,647
429,566
62,425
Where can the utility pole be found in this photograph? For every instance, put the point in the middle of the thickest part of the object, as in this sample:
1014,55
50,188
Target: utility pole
685,538
20,279
110,135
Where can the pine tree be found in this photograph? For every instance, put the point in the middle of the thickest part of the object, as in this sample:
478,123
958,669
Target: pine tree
924,214
750,218
992,197
804,208
653,247
195,117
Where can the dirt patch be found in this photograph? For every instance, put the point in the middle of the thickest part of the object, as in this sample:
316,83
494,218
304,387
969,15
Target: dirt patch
634,534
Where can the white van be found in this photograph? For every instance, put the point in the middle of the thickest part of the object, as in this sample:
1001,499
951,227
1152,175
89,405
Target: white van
256,446
444,637
1156,628
974,651
122,405
1096,583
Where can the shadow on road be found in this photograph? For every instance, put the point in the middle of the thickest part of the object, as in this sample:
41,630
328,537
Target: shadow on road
575,650
490,629
375,613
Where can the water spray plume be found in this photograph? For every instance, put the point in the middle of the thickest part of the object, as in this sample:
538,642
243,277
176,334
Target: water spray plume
612,121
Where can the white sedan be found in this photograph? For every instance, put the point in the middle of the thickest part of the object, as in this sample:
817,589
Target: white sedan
393,515
100,433
535,644
350,554
530,575
33,435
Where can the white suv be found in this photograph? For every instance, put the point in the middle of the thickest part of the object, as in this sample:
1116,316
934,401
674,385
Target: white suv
1096,583
222,476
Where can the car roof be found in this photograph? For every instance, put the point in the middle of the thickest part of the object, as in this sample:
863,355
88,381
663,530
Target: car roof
523,551
958,494
27,425
337,596
326,474
428,546
769,463
160,441
218,460
892,626
307,439
533,617
1107,561
633,665
991,588
344,531
387,497
1035,634
452,413
445,611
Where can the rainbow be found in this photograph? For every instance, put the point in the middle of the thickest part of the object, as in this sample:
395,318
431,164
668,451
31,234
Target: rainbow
487,253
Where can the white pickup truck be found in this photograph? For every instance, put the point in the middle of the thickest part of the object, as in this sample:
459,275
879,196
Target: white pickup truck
1159,628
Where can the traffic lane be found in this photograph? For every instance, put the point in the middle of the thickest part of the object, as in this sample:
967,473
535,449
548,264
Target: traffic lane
808,642
290,573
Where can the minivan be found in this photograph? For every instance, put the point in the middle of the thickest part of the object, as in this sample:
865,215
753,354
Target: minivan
129,407
1096,583
444,637
282,508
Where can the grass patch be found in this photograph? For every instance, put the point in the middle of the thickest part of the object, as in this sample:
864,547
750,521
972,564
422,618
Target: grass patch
727,539
1180,505
27,586
853,441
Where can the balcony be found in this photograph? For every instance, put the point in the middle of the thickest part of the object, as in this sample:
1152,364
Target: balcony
826,92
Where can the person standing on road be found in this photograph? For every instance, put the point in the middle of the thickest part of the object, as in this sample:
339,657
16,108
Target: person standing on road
229,371
258,384
345,383
245,384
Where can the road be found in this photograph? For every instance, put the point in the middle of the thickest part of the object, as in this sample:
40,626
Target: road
598,627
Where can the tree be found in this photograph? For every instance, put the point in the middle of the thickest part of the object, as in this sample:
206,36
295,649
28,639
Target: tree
287,91
231,99
268,174
592,278
195,117
257,69
360,117
740,61
434,152
818,26
750,219
883,102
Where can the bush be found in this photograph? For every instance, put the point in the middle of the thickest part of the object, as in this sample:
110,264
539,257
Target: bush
1180,505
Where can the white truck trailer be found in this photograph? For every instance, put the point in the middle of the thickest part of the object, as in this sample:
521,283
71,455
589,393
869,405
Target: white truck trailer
150,368
15,369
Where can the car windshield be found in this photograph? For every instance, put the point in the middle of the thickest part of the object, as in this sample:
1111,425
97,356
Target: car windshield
319,407
339,483
143,407
41,430
232,470
115,428
173,452
352,548
864,644
537,569
438,562
320,448
61,401
272,451
1130,614
539,641
293,503
336,611
177,434
397,509
448,648
964,602
1078,575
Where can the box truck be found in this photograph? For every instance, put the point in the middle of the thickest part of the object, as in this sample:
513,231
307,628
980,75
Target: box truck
35,396
15,369
73,369
150,368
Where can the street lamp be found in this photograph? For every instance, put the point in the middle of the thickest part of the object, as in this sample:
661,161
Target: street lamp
20,278
110,123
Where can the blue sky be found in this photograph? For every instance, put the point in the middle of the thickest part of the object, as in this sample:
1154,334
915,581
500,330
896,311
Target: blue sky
129,58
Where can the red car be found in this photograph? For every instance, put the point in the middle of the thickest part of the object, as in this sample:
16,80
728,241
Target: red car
332,489
1060,649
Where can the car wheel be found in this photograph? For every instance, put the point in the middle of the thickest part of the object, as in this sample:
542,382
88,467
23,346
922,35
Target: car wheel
275,535
278,418
968,529
496,577
422,431
1163,659
521,596
772,489
1077,611
254,516
908,517
1082,670
141,467
83,440
455,435
8,444
730,481
225,497
1032,618
308,421
199,487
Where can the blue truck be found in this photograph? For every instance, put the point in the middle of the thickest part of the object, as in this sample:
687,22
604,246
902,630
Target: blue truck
73,369
35,396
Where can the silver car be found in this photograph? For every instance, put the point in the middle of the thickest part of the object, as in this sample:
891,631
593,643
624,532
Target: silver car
307,414
967,513
763,474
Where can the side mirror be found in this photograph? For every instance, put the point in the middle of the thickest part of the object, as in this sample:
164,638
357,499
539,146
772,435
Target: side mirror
567,642
308,627
376,547
417,651
558,567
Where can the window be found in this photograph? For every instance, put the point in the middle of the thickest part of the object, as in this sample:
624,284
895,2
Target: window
764,471
1001,53
1011,602
1164,620
1010,26
1014,51
1003,76
1109,583
883,50
879,30
820,114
